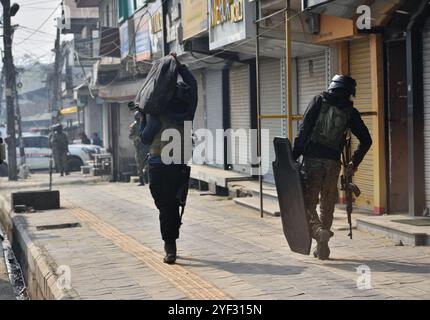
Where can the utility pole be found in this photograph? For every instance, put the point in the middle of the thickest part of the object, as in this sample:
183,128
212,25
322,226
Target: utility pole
55,76
19,122
1,88
10,86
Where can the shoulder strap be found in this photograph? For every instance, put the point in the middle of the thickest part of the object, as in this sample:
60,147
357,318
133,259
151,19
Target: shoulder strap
308,139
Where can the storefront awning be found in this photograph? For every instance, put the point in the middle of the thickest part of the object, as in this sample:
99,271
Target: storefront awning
120,92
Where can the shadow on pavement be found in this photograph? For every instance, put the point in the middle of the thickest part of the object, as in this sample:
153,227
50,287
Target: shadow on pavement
244,268
380,265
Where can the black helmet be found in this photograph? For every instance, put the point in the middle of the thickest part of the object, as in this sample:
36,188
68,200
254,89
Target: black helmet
343,82
57,127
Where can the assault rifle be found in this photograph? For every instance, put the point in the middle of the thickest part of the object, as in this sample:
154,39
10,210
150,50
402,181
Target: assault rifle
346,180
182,192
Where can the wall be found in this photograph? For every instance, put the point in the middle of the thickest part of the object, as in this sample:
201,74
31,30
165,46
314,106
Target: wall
93,118
125,145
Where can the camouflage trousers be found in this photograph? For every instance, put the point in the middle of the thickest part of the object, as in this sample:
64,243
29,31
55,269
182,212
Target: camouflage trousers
60,161
141,161
321,185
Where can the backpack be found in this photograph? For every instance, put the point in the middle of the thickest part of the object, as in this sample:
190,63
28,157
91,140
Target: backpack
159,86
330,126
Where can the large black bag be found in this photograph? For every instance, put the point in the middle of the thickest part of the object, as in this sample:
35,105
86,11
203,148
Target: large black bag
159,86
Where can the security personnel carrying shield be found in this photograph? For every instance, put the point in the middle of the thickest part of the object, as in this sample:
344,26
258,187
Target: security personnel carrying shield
320,141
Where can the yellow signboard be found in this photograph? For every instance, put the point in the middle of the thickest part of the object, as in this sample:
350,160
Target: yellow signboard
69,110
226,10
194,17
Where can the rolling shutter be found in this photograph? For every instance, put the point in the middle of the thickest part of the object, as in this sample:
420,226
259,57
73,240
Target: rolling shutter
214,110
426,73
270,82
313,76
200,115
240,115
361,71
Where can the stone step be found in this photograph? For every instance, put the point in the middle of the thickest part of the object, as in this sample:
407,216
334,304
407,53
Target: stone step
270,206
388,226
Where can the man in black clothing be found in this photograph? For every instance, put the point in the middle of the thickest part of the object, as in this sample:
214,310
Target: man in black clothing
167,180
320,141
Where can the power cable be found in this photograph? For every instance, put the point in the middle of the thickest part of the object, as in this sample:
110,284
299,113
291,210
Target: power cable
43,23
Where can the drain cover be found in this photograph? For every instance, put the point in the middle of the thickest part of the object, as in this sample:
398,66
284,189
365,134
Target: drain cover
58,226
424,222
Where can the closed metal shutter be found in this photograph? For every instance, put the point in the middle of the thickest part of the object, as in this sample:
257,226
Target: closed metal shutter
214,112
200,115
313,76
361,72
426,58
240,115
270,82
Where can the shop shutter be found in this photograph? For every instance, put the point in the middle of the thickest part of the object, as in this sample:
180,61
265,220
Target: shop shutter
313,76
361,71
240,115
270,85
426,58
214,110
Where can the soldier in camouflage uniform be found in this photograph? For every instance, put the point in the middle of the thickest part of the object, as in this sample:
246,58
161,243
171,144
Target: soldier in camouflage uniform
141,151
59,144
320,141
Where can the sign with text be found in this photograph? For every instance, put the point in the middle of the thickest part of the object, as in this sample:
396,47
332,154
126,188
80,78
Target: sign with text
142,21
230,21
194,17
125,44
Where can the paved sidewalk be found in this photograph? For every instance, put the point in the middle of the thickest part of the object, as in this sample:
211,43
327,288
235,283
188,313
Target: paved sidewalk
225,252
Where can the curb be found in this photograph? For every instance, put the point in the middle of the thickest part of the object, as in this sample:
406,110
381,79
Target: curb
40,276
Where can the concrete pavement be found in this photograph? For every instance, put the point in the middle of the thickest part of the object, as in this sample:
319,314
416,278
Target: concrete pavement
105,244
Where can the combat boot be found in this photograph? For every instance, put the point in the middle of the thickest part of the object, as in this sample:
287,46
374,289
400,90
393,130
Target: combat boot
322,250
170,249
141,181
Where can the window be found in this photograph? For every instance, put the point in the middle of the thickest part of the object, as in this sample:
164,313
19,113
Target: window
35,142
31,142
126,9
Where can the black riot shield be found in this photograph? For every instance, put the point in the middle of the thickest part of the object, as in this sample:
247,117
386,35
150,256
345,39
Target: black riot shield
291,202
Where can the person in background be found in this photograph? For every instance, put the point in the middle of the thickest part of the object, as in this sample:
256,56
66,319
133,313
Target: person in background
84,138
96,140
59,143
140,150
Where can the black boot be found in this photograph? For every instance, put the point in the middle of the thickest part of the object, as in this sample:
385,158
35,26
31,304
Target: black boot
141,181
62,173
170,249
322,250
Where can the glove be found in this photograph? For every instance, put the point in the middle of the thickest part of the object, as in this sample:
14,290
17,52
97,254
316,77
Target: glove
351,169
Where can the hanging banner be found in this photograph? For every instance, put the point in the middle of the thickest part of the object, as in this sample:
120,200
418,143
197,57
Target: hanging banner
123,35
194,17
142,38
